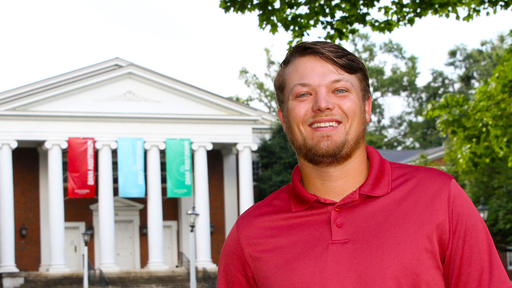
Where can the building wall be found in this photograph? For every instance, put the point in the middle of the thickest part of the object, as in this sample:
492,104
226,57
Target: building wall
77,210
26,198
503,256
26,208
216,187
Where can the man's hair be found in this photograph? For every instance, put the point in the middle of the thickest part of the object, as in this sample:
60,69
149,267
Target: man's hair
329,52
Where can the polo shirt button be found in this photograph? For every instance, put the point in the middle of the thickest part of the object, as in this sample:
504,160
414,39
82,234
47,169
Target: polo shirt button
339,224
337,208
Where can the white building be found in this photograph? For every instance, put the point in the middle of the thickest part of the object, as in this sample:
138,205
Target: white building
106,101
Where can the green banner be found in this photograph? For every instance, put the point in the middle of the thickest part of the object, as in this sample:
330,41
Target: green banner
178,157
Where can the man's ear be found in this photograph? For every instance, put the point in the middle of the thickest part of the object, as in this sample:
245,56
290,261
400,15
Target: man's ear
368,109
281,118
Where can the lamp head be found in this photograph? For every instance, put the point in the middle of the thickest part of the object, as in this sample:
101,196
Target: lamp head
483,210
192,217
87,236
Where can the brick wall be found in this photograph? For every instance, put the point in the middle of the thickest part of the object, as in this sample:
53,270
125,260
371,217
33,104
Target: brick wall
26,197
216,187
26,208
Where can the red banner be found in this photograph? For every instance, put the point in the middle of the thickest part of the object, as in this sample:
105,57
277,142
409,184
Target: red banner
81,168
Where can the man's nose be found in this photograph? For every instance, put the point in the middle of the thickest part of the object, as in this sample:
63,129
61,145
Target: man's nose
322,102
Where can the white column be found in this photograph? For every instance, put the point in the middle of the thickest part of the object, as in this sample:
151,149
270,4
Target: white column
155,213
245,175
202,199
43,210
7,255
107,234
230,188
56,205
184,204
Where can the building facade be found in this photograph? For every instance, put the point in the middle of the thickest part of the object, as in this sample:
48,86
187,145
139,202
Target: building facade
40,227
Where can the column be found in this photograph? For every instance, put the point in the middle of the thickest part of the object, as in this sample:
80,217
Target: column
245,175
155,214
7,246
202,200
107,230
43,210
230,188
56,205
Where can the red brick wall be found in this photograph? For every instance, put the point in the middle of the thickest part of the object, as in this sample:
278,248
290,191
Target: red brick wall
26,197
503,256
216,186
26,208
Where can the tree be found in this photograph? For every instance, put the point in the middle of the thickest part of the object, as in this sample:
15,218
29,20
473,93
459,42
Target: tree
277,160
263,90
479,148
341,19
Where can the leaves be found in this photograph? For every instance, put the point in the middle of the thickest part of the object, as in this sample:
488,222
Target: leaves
479,129
262,90
341,19
277,160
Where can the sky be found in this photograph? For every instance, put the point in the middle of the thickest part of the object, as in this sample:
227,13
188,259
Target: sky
192,41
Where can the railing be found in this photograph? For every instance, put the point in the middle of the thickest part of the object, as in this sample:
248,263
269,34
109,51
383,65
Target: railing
207,278
184,262
101,281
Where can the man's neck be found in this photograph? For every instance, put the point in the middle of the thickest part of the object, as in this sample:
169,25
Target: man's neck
336,182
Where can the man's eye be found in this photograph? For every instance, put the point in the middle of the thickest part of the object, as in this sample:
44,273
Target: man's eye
340,90
302,95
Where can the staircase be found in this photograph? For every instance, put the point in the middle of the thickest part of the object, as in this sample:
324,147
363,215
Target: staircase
175,278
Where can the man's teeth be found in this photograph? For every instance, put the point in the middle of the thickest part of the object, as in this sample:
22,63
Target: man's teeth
324,124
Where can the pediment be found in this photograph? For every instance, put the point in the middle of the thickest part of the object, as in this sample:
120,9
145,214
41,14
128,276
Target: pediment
121,204
127,94
122,89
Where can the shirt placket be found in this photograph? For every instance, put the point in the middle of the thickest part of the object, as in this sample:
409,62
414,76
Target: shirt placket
338,231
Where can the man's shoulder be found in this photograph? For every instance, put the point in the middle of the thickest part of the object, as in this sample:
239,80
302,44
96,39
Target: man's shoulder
419,172
278,201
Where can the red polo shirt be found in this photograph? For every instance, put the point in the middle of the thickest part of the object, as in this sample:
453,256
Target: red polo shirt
406,226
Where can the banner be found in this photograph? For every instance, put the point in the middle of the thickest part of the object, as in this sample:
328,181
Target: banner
178,158
130,167
81,168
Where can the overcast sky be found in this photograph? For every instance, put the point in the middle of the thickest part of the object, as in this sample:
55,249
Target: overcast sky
193,41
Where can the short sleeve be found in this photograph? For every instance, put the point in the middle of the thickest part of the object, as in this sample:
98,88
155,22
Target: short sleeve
472,259
234,267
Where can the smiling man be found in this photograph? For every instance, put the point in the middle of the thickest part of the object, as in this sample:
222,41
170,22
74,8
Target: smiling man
349,218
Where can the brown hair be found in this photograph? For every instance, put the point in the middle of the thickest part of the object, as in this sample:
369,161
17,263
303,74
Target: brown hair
329,52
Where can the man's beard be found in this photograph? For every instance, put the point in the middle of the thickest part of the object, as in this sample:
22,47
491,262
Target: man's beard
333,154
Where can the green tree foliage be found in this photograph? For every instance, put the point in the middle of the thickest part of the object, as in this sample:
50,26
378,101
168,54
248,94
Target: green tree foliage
474,67
341,19
277,160
262,90
479,150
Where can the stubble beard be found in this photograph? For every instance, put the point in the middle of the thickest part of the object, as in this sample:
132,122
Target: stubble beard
328,153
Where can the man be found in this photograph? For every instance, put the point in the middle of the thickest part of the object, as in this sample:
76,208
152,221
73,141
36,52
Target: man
349,218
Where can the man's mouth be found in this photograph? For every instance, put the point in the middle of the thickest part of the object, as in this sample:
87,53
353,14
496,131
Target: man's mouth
324,124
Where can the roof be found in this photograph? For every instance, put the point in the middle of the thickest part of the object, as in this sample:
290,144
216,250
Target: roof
409,156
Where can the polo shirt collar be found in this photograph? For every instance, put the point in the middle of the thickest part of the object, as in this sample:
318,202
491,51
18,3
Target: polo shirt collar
378,182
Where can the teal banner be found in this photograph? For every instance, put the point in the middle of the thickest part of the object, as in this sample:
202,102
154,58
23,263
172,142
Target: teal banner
130,167
178,158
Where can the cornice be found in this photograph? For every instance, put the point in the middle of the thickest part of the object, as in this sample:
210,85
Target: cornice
118,117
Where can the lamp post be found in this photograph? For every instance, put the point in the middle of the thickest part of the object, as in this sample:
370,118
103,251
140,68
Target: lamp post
483,210
87,236
192,218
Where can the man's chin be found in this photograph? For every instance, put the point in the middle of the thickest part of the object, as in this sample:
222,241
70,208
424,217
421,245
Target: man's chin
327,155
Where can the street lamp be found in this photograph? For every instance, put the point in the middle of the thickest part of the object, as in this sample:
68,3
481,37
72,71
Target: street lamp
192,218
483,210
87,237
